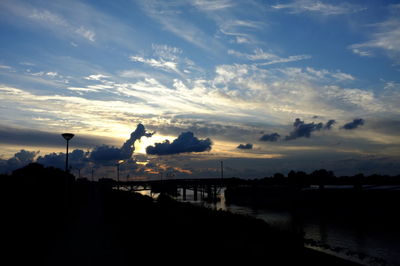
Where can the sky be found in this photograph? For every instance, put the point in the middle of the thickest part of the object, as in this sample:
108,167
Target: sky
171,88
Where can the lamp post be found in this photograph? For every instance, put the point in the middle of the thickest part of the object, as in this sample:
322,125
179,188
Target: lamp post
67,137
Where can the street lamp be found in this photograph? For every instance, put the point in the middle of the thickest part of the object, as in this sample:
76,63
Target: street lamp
67,137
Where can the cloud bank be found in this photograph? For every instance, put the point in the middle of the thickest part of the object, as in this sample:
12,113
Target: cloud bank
19,160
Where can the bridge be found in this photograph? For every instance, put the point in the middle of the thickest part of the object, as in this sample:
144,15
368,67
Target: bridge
206,188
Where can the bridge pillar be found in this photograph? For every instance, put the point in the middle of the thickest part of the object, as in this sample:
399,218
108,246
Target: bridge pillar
195,192
209,192
184,192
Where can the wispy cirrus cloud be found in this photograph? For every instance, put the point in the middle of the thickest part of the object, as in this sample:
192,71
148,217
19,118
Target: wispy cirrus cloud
268,58
86,33
169,15
157,63
166,58
318,7
49,19
385,37
212,5
241,30
5,67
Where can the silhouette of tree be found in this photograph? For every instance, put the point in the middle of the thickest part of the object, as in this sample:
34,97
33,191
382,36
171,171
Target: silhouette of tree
297,179
322,177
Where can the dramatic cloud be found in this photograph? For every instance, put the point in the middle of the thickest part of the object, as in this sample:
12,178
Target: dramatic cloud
107,153
186,142
270,137
247,146
354,124
302,129
19,159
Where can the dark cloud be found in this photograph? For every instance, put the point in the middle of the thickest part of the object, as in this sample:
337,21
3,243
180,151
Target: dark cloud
354,124
106,153
302,129
109,154
247,146
19,160
204,128
329,124
28,137
129,146
270,137
186,142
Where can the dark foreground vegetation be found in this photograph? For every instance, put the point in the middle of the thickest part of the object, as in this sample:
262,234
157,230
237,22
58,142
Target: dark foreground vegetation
51,219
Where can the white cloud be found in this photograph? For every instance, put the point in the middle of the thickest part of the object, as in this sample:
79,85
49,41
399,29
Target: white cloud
88,34
52,74
343,76
168,15
53,20
259,54
212,5
241,30
160,63
58,21
84,89
96,77
292,58
167,58
5,67
361,52
48,17
319,7
324,74
166,52
241,40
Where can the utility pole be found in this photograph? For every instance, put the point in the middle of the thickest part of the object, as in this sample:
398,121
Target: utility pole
118,175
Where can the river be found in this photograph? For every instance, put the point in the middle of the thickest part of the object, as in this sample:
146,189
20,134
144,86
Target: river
362,243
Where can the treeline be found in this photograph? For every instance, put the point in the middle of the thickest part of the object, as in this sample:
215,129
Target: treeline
324,177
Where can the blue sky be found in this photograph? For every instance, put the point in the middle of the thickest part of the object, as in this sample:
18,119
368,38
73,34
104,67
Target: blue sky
230,71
